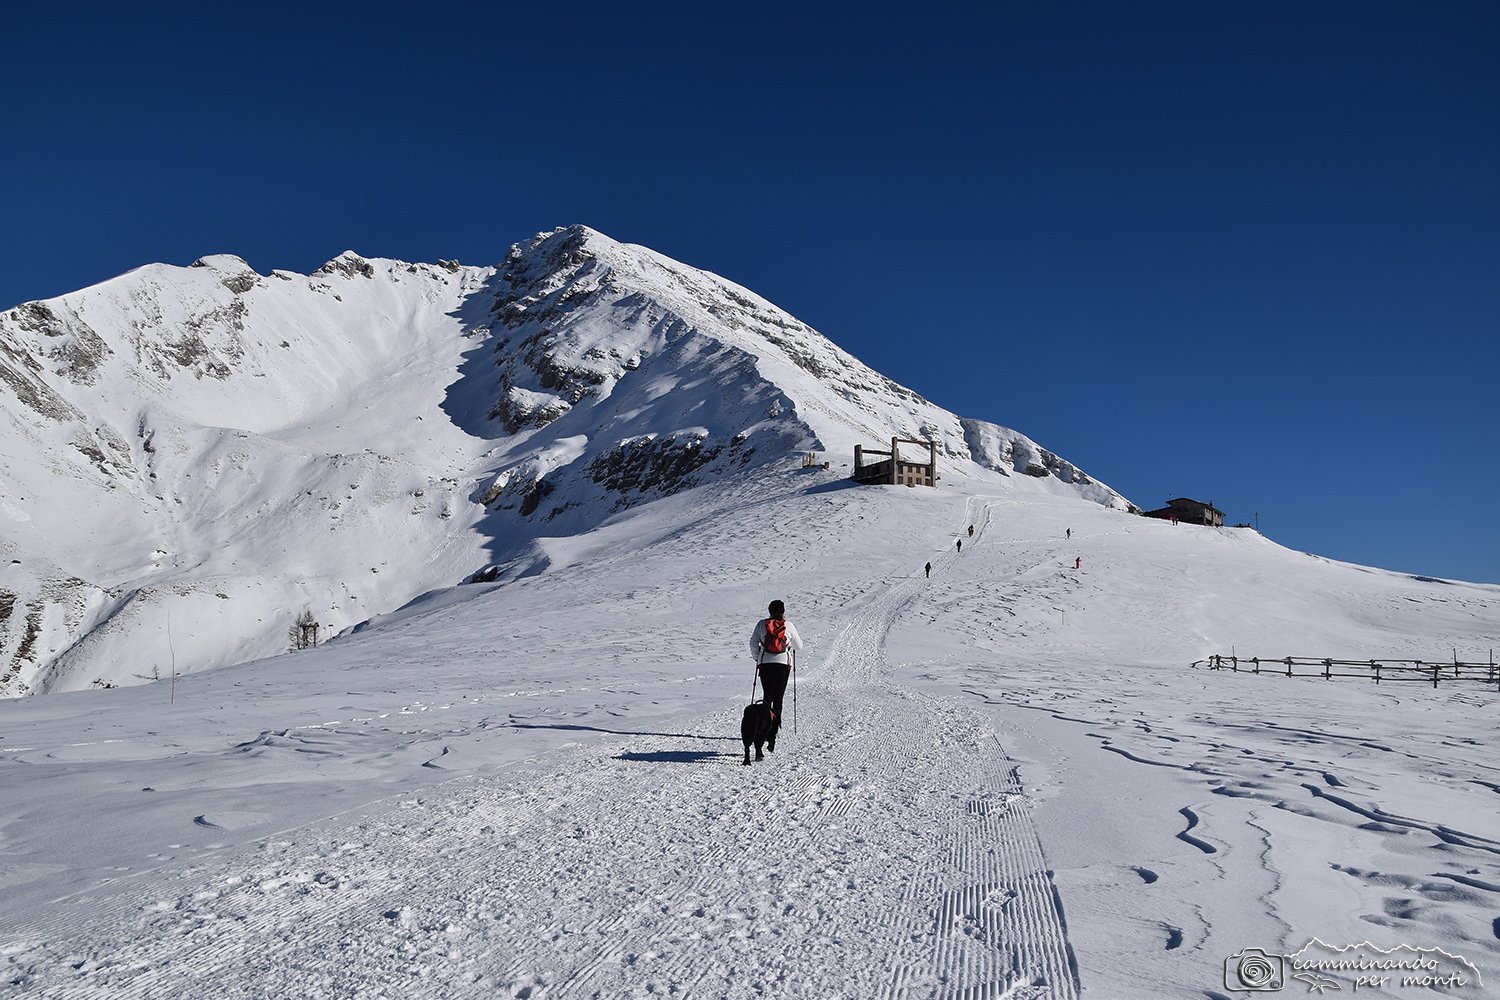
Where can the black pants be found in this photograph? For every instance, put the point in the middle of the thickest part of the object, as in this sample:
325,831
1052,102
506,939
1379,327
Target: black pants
773,678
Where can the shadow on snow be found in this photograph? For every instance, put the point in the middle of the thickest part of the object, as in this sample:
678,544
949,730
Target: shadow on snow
616,732
676,756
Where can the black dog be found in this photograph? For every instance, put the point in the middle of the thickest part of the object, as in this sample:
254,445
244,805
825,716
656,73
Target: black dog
757,727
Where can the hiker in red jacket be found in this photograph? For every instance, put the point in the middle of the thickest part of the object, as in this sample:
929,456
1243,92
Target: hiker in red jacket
772,644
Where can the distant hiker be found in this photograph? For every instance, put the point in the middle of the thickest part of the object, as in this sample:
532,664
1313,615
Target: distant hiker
1070,532
971,531
929,571
1078,562
773,644
960,544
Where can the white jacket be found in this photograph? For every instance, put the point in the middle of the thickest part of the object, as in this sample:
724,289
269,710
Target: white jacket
758,642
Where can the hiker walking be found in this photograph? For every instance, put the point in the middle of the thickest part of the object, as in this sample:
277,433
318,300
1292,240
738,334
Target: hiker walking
960,542
1078,562
773,644
1070,532
971,531
929,571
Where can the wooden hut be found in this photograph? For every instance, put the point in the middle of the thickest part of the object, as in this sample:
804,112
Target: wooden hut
892,468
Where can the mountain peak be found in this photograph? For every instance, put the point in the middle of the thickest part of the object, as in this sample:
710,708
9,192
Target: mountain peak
591,334
348,264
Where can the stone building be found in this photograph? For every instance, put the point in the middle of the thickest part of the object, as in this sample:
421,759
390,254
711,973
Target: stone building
1189,512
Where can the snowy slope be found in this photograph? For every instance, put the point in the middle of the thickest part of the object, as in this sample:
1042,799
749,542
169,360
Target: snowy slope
192,456
219,449
1005,780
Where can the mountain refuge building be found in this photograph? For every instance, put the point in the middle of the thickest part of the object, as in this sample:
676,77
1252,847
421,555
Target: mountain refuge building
1189,512
893,469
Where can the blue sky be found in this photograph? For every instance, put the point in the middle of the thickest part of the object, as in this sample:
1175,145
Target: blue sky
1244,253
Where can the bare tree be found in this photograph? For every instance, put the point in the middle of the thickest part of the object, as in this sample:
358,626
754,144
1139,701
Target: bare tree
303,633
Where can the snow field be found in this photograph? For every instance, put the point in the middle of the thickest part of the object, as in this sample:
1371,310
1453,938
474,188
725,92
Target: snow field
1266,810
887,851
533,789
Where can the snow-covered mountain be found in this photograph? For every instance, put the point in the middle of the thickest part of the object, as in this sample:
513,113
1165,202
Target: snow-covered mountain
192,456
1008,772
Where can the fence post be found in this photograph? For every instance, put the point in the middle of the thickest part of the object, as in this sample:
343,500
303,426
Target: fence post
1235,659
1256,660
1436,670
1289,666
1376,665
1328,669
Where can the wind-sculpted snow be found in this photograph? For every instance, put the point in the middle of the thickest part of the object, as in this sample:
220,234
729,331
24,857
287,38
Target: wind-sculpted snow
193,456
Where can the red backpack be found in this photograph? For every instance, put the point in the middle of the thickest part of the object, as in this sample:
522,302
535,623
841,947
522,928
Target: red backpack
775,636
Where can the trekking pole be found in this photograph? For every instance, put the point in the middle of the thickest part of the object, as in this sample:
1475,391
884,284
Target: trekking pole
793,654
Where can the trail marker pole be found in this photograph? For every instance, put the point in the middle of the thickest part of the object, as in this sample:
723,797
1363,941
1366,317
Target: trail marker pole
173,652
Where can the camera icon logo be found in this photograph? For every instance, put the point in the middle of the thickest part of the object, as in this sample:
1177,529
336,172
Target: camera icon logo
1254,971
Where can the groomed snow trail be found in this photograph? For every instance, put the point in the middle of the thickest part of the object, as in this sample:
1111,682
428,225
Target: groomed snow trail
887,850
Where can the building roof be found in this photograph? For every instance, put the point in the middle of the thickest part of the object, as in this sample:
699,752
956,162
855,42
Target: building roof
1186,502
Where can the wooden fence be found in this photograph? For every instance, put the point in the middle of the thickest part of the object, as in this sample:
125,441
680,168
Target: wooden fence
1372,670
